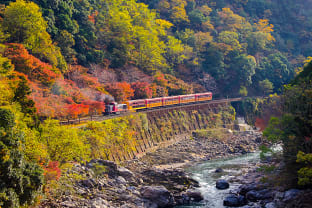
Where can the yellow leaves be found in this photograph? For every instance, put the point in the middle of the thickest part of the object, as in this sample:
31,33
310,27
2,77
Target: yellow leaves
207,26
252,58
179,15
34,149
231,21
308,60
163,23
264,26
5,154
111,136
63,143
230,39
201,39
6,93
205,10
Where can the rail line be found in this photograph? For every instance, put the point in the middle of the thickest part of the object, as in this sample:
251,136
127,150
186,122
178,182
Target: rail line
155,109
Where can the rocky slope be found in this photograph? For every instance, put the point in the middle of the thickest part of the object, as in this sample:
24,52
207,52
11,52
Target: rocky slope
151,181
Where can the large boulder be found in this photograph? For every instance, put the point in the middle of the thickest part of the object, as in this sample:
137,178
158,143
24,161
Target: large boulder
219,170
259,195
124,172
234,201
222,184
290,194
158,195
195,196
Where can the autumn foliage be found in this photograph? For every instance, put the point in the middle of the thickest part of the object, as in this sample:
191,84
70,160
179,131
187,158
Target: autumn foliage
95,107
121,91
52,171
35,69
77,110
142,90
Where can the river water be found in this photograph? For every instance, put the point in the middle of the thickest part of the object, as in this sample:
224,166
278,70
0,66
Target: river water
205,174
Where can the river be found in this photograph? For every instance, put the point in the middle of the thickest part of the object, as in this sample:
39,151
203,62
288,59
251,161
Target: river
205,174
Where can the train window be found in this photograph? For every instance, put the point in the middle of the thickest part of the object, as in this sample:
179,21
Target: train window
202,96
122,106
172,99
154,101
187,98
139,104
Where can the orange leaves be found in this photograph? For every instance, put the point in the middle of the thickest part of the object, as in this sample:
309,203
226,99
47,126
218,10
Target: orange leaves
121,91
91,17
79,75
52,171
77,110
95,107
159,79
35,69
142,90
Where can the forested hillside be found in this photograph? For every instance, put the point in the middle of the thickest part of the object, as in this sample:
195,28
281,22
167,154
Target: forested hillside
81,53
63,59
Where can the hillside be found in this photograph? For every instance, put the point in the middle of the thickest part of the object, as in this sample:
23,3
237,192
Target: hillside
83,52
63,59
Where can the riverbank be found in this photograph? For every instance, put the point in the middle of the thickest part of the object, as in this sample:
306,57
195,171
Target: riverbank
155,180
267,185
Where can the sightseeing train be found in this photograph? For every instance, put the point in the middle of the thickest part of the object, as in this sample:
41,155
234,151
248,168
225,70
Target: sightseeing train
138,105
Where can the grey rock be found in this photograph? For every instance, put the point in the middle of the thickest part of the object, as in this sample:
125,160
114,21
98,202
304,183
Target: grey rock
121,180
158,195
234,201
89,183
195,196
68,204
182,199
290,194
99,203
270,205
222,184
124,172
259,195
279,195
219,170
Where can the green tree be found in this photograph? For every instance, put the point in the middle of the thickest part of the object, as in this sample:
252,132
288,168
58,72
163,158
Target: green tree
294,128
18,22
21,96
276,69
231,39
20,180
266,86
244,67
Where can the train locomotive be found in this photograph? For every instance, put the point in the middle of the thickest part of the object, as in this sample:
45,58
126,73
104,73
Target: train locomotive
142,104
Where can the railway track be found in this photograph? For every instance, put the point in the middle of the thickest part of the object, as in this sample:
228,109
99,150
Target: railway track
172,107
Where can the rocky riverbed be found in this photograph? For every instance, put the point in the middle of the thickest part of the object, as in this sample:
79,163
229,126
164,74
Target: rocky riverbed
264,188
155,180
